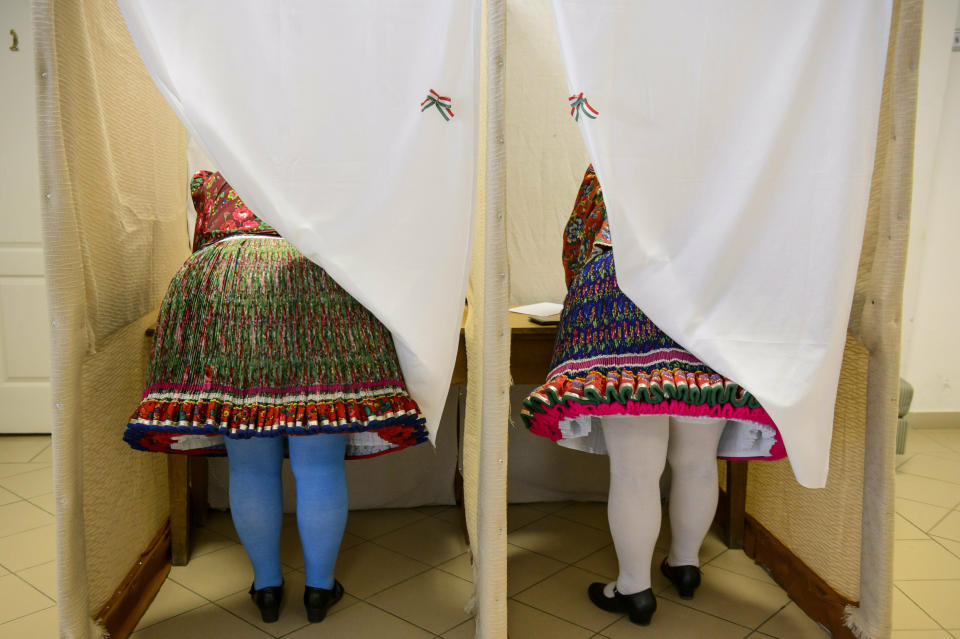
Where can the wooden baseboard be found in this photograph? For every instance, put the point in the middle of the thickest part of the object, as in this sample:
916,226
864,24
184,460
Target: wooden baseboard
121,614
811,593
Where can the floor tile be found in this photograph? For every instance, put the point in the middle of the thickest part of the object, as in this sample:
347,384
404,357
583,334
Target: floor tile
793,623
362,621
923,559
221,522
920,441
903,529
349,541
429,540
949,527
460,566
738,562
39,625
28,548
733,597
604,562
47,502
292,613
524,621
549,506
525,568
434,509
20,516
560,538
3,571
9,470
206,540
171,600
453,516
947,437
18,599
206,622
673,620
434,600
923,516
519,515
564,595
588,513
939,599
927,491
21,448
921,634
45,456
30,484
216,574
466,630
43,578
370,524
909,616
949,544
6,497
942,468
367,569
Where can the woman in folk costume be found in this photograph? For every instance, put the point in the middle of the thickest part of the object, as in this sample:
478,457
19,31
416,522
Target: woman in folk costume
257,349
621,386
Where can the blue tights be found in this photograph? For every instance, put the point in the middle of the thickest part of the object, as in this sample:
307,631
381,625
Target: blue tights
256,502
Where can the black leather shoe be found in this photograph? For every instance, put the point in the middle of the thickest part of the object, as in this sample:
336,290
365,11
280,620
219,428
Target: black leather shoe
318,601
268,601
638,606
685,579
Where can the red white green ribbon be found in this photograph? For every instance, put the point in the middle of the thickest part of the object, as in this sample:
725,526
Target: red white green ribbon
442,103
579,104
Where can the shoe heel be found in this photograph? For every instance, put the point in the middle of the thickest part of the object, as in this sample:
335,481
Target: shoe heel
269,615
316,616
641,619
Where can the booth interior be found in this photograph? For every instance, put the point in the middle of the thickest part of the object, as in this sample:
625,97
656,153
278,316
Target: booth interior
117,163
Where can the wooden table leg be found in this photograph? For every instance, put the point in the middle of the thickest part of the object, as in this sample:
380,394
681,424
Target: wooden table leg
179,479
736,506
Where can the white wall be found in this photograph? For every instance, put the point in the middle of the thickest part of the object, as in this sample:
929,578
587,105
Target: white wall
931,341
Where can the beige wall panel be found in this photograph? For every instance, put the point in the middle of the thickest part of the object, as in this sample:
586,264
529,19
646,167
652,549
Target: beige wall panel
546,157
822,527
126,159
125,491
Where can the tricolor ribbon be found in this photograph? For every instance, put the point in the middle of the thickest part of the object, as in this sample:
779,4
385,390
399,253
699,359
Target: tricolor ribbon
443,104
579,104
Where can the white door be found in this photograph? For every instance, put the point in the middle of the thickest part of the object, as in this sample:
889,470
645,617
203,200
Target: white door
24,324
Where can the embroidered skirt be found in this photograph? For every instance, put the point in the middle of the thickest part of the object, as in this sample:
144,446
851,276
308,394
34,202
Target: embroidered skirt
255,340
610,359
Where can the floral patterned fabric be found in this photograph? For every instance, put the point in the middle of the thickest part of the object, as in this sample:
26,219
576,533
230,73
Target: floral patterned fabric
255,340
610,358
220,211
587,230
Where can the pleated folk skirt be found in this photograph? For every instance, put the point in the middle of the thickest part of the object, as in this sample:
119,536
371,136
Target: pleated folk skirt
610,359
255,340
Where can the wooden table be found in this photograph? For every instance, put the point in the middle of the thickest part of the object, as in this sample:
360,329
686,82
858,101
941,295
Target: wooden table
531,349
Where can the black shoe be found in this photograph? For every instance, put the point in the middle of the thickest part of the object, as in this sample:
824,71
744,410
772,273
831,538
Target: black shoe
319,600
685,579
639,606
268,601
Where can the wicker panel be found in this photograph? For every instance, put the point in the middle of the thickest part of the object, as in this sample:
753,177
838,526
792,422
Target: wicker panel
822,527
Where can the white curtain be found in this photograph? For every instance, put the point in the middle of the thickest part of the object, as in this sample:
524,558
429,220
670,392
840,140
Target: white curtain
734,143
349,125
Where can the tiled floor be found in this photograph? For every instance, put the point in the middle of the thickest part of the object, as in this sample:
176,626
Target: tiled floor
407,572
28,574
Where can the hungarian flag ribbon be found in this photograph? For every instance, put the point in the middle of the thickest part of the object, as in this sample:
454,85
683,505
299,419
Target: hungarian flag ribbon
443,104
579,104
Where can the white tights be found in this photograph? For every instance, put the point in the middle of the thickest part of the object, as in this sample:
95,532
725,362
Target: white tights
639,446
